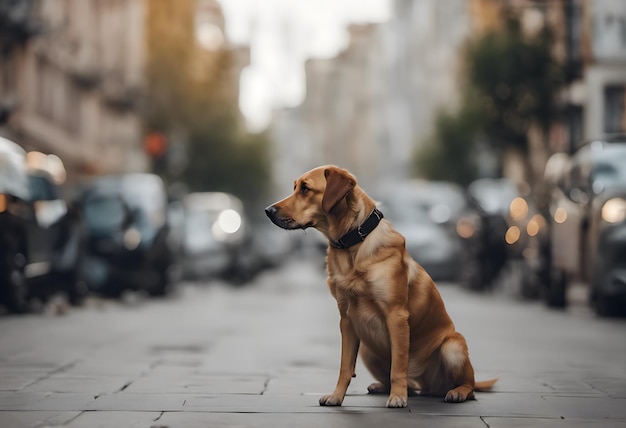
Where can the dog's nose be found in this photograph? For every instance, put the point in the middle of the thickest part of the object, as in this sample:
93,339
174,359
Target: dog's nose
270,211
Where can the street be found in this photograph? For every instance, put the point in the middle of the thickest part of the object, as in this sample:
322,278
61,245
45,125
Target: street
261,355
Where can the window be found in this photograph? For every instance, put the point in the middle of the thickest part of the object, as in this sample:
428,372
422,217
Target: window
614,112
58,98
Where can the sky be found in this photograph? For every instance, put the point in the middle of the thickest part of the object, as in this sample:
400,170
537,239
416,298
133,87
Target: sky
282,35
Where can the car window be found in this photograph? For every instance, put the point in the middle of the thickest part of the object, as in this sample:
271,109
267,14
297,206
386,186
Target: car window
104,214
609,170
41,189
406,211
145,196
493,196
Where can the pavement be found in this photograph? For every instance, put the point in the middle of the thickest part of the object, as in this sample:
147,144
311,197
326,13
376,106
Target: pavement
261,355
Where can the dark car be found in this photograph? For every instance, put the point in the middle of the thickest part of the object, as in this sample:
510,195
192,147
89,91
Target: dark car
128,235
588,227
486,246
41,237
428,242
217,238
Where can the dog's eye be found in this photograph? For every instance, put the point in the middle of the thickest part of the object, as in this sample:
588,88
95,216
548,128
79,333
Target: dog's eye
304,190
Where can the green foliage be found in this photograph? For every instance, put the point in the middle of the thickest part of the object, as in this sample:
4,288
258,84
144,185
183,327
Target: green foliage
220,159
447,155
514,80
190,94
511,82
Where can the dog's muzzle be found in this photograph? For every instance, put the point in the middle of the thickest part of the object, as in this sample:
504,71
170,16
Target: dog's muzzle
285,223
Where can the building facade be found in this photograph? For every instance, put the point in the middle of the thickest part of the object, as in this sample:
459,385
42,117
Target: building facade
605,72
368,108
73,74
78,85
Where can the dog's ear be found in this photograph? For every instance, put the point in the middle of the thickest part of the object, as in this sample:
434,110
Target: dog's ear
338,183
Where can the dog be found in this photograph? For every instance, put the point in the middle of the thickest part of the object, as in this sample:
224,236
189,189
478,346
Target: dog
390,309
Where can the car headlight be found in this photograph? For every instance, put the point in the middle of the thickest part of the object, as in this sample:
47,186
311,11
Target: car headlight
534,226
560,215
512,235
518,209
614,210
227,223
132,239
465,228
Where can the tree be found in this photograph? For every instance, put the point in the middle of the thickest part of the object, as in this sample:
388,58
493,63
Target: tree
190,94
514,79
448,153
225,161
510,84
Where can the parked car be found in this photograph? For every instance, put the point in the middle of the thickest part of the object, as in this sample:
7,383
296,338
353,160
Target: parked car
484,231
428,242
217,237
41,237
588,227
272,246
128,235
444,202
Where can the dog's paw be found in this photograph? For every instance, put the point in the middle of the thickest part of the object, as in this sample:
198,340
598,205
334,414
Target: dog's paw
454,396
396,401
331,400
378,388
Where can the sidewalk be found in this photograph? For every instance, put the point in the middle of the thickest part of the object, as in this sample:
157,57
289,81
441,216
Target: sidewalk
261,356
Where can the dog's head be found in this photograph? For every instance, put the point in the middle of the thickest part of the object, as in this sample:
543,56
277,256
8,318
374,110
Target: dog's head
326,198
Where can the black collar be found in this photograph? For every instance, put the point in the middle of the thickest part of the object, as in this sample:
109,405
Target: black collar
359,234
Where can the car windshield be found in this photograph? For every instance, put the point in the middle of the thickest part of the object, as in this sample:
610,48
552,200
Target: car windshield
104,214
609,169
493,196
406,212
143,194
41,189
442,201
199,228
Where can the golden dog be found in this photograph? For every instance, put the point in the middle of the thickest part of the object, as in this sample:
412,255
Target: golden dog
389,306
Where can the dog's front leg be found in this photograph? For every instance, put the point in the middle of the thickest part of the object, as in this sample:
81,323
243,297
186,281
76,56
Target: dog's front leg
349,350
399,334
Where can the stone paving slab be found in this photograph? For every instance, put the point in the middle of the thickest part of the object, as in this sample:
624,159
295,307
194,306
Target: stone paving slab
584,407
11,400
117,420
100,365
14,419
16,378
508,422
553,384
523,405
79,383
348,419
315,381
139,402
195,383
232,404
613,386
37,401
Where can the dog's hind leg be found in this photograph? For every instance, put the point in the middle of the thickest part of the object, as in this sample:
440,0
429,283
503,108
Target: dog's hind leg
456,363
379,369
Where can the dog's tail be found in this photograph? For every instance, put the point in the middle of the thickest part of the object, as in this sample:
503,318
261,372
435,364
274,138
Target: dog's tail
485,385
